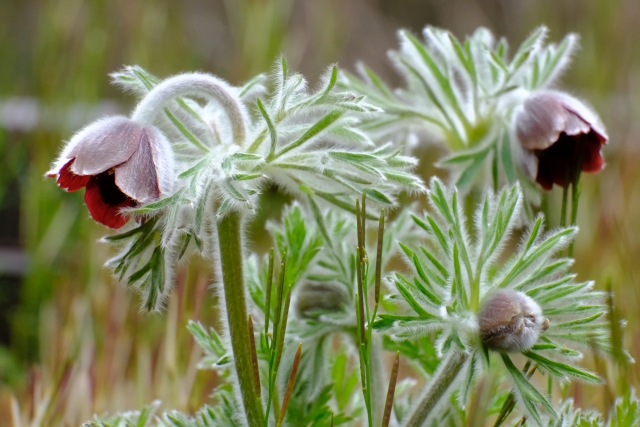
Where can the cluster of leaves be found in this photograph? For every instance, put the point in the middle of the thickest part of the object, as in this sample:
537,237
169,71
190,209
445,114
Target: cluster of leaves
463,92
454,271
306,142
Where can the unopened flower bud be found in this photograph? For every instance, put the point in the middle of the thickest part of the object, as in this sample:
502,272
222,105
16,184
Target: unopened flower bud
314,298
121,163
560,137
510,321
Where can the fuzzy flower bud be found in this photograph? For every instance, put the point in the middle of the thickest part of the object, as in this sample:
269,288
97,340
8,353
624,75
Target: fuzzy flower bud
316,297
510,321
560,136
121,163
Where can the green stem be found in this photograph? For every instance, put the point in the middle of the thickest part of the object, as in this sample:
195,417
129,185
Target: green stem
563,212
377,372
230,244
575,198
438,387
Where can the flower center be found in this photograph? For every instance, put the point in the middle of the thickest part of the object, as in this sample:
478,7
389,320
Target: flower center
109,191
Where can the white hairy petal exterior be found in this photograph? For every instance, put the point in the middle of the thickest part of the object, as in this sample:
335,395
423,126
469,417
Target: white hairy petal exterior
546,114
100,146
510,321
149,173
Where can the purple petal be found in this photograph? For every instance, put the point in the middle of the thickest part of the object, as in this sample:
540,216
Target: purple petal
103,145
580,109
575,125
149,171
540,121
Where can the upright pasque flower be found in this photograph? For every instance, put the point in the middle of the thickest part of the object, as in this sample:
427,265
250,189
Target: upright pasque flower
121,163
560,136
510,321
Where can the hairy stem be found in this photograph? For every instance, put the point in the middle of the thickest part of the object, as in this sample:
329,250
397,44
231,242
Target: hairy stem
200,85
437,387
229,240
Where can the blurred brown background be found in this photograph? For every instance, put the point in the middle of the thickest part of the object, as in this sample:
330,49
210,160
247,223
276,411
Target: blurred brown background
72,342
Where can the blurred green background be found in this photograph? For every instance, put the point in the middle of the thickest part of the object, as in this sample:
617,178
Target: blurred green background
73,342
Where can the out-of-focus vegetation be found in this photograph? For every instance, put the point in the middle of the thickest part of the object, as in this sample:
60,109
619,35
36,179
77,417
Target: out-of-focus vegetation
74,341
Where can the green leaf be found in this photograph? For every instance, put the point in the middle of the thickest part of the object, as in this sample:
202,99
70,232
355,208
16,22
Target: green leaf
250,84
201,205
561,369
317,215
549,246
348,206
314,130
467,176
443,81
185,239
246,157
185,131
377,196
145,227
377,82
156,284
464,156
435,228
535,38
409,297
332,81
193,170
386,321
468,380
272,129
530,395
560,56
139,274
505,157
233,191
352,157
443,271
160,204
245,176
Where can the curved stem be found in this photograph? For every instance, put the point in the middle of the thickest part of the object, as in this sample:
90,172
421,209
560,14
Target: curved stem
437,388
200,85
230,244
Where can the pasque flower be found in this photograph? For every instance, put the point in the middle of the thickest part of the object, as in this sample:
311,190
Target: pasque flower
122,164
560,136
510,321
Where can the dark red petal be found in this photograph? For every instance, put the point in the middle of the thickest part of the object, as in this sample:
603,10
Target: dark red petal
544,177
101,211
592,146
69,180
558,164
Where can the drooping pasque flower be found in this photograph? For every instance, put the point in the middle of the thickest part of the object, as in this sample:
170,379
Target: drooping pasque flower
560,136
121,163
